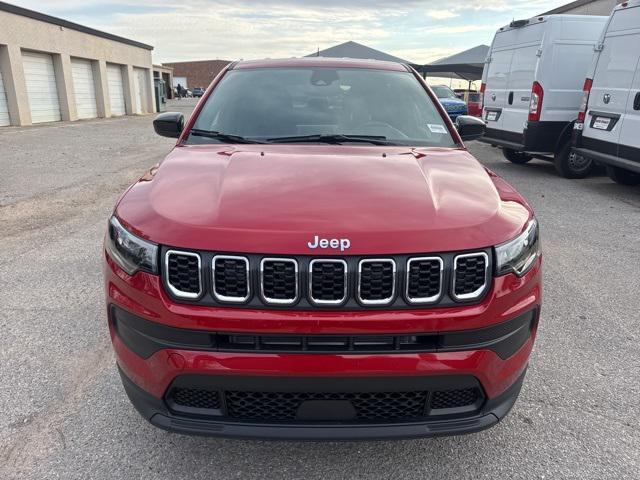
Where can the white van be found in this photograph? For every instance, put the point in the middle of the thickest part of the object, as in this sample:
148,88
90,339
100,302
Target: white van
608,130
532,84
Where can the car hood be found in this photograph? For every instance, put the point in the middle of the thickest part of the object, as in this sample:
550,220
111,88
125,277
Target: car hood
277,198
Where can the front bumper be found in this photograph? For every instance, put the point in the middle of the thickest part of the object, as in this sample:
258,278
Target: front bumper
471,342
158,414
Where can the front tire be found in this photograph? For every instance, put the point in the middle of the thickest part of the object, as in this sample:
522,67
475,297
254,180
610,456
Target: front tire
515,156
571,165
622,176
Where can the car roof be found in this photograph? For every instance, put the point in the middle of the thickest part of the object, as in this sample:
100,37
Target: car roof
315,62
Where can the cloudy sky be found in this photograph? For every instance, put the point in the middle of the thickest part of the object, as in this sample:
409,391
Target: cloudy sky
417,30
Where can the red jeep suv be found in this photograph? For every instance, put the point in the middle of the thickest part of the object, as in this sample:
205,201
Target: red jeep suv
320,257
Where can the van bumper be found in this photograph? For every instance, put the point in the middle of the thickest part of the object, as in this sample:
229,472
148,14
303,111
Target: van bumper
536,137
606,153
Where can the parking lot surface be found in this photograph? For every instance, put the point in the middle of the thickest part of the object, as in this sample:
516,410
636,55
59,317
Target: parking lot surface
65,414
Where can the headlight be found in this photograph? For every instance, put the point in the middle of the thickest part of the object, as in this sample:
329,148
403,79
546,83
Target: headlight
131,253
518,255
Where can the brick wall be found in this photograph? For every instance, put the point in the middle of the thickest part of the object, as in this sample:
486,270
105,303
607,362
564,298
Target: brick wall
199,73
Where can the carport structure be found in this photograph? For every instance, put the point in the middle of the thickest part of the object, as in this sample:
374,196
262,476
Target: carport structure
466,65
357,50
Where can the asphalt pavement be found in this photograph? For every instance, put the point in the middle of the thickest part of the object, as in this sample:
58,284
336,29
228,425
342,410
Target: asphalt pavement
64,413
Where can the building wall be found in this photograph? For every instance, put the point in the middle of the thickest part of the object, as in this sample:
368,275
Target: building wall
166,74
18,33
586,7
199,73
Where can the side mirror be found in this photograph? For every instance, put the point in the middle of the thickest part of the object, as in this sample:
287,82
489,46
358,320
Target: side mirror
470,128
169,124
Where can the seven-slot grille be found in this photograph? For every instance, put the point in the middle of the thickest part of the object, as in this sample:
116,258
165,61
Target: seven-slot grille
231,278
470,273
328,281
348,282
377,281
279,280
183,274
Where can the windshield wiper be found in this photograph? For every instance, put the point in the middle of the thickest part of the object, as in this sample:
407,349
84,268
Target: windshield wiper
333,138
223,137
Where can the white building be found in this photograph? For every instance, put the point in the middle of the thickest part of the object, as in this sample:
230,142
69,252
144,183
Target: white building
52,70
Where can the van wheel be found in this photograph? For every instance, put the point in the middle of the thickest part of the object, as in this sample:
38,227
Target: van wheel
571,165
622,176
515,156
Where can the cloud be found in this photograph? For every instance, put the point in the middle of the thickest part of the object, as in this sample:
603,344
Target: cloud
442,14
418,30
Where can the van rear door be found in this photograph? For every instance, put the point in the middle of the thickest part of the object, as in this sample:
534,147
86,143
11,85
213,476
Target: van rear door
614,75
495,94
629,139
512,68
521,78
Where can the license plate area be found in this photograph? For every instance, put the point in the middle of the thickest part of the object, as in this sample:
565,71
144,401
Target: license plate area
601,123
492,115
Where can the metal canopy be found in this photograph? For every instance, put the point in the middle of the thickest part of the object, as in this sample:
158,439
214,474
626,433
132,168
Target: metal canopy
356,50
467,65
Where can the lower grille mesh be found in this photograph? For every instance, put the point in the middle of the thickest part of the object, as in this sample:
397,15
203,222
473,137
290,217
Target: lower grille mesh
284,406
196,398
454,398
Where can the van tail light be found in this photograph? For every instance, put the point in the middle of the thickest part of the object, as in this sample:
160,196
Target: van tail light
483,87
586,91
535,104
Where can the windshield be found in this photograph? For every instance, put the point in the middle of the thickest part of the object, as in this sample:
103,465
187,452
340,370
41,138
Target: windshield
443,92
278,104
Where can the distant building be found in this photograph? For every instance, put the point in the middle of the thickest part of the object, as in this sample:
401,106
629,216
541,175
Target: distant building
196,73
166,74
586,7
52,69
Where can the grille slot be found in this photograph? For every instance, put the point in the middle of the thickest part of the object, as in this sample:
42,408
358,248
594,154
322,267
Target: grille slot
424,279
376,281
283,406
328,282
183,274
279,280
470,272
231,278
195,398
455,398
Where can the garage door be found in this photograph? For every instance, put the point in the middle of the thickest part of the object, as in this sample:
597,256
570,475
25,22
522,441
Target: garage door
4,110
116,90
84,88
41,87
140,84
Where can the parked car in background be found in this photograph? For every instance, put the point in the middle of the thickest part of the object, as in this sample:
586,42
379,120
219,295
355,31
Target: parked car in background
608,126
450,101
373,309
473,99
460,92
198,91
532,84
